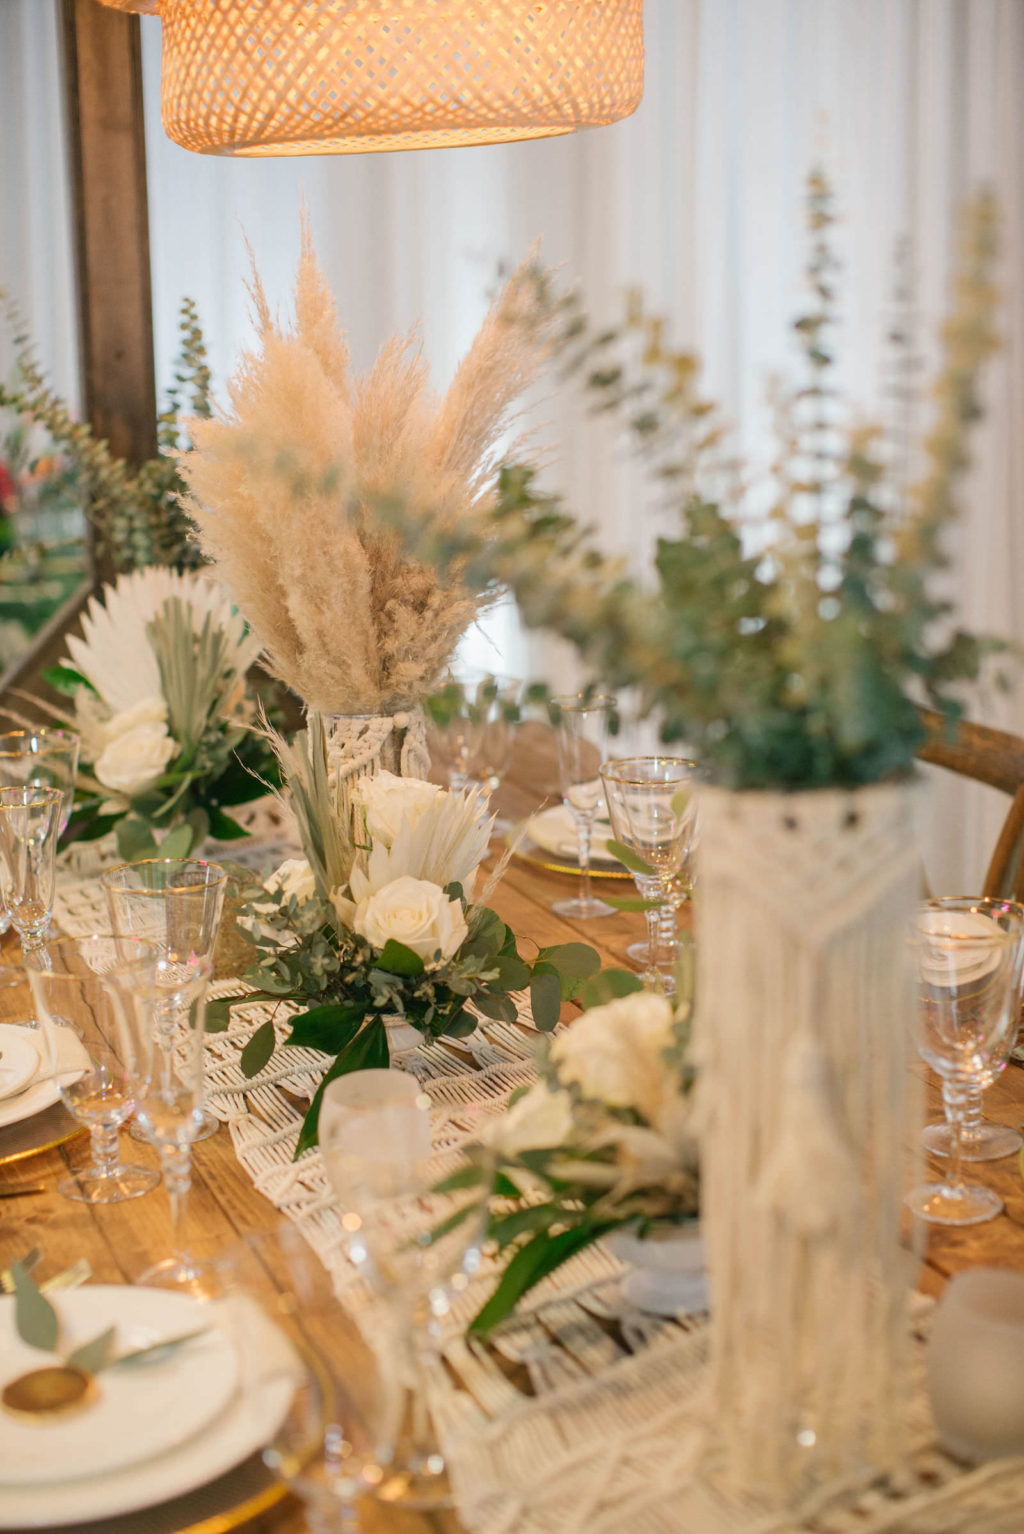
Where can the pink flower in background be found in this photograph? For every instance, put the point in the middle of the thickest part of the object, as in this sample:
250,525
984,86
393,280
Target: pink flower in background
8,490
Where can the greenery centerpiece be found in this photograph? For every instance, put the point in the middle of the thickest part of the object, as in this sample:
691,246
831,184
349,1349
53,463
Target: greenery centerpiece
604,1141
379,921
158,689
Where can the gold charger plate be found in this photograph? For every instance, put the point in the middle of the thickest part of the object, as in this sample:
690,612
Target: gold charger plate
44,1131
524,847
224,1504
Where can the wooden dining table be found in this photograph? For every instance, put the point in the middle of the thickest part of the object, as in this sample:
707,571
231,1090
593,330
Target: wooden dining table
119,1241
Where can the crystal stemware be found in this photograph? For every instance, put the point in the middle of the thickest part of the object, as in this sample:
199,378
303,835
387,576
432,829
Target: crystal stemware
177,904
29,832
82,1016
41,758
375,1141
652,810
165,1022
472,729
980,1139
968,959
582,728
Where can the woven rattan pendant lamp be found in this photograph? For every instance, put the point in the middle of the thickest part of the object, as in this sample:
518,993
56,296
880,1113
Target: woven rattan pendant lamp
277,77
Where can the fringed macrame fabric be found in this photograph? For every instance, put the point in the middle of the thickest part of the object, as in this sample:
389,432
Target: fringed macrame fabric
804,1021
359,745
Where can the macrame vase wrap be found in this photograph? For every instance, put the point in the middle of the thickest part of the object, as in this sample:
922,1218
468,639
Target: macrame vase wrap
359,745
804,1020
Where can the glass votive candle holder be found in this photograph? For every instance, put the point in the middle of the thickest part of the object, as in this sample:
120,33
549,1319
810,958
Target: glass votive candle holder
976,1364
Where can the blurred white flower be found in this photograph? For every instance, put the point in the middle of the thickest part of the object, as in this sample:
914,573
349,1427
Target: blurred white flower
415,912
135,759
294,877
613,1054
540,1120
146,711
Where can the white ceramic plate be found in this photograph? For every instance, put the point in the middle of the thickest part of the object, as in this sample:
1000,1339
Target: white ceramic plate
959,961
244,1426
19,1058
555,830
140,1411
42,1091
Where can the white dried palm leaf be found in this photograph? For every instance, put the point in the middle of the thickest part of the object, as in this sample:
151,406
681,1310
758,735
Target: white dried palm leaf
114,652
446,845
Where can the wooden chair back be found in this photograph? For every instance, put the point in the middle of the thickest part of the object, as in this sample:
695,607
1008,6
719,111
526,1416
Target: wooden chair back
989,756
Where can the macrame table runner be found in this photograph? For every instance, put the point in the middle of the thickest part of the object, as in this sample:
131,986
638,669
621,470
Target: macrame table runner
608,1428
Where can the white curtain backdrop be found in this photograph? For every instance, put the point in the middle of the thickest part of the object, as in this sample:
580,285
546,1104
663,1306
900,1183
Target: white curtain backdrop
697,198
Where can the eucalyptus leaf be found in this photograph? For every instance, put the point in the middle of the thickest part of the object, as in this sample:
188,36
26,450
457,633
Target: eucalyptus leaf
629,902
513,973
223,827
258,1050
156,1351
501,1008
577,960
633,861
94,1355
609,985
545,1000
178,843
135,839
396,959
34,1316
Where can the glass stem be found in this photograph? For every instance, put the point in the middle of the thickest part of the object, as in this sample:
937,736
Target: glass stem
176,1162
954,1100
970,1119
583,854
424,1449
106,1150
652,974
668,923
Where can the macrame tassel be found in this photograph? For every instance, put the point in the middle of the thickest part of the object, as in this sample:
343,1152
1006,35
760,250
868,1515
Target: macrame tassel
801,1037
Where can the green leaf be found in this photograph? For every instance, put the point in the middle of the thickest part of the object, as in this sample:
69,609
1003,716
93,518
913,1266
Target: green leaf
629,902
218,1013
513,973
501,1008
93,1356
466,1177
222,827
633,861
367,1051
135,839
34,1316
156,1350
239,786
460,1026
545,999
530,1264
576,959
327,1028
258,1050
609,985
509,1227
396,959
66,680
89,827
178,843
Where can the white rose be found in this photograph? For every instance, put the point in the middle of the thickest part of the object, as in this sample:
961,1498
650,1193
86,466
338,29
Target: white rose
540,1120
146,711
294,877
389,800
414,912
613,1053
136,759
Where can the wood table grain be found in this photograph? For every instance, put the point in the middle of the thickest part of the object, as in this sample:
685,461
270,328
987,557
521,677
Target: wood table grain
121,1240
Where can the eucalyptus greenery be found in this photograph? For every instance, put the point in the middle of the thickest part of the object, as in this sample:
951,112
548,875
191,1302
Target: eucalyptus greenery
788,646
135,510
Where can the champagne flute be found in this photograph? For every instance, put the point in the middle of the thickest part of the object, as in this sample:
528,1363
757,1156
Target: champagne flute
968,973
582,727
981,1140
376,1145
176,904
29,831
166,1076
472,729
76,988
42,758
651,806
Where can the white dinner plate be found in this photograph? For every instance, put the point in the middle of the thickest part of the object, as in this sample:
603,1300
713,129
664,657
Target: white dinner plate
42,1090
957,962
243,1427
19,1058
140,1411
555,830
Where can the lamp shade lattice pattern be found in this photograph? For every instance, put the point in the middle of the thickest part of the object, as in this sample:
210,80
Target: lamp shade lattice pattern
279,77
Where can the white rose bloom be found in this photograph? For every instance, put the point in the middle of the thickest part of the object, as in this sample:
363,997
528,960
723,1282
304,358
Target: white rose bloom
136,759
540,1120
146,711
414,912
294,877
389,800
613,1053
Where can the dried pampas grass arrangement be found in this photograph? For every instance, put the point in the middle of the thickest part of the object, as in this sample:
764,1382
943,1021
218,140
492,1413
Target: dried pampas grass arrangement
285,486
